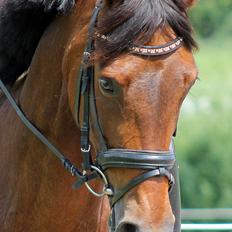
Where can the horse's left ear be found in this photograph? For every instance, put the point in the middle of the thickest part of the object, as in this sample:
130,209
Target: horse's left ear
189,3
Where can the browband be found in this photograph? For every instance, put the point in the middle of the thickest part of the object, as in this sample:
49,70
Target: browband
157,50
150,50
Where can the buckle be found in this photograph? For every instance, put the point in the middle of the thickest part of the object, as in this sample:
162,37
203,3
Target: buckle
86,57
86,150
171,182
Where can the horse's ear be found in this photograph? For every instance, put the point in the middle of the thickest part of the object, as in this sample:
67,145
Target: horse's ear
189,3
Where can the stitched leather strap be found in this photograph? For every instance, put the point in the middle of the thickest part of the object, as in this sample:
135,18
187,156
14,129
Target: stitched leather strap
83,90
139,179
157,163
138,159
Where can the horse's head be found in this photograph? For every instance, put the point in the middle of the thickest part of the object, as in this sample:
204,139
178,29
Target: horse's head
138,99
138,102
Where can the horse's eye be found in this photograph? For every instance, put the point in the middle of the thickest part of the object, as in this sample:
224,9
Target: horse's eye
106,85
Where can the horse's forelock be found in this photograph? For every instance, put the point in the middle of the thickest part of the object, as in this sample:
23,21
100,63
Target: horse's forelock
136,21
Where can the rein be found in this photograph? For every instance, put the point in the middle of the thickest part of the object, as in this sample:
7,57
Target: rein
67,163
152,163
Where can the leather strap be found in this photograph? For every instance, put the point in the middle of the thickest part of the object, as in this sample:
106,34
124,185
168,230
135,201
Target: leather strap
83,90
85,144
157,163
138,159
69,166
95,124
77,100
139,179
162,50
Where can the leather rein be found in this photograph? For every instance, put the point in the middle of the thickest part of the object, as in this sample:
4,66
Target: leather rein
153,163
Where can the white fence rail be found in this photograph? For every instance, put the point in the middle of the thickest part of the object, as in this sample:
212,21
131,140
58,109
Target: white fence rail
206,219
206,226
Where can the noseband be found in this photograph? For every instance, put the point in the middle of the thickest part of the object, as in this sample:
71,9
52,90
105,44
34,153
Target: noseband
151,163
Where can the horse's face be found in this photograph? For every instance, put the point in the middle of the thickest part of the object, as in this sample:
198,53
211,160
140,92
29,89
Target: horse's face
138,102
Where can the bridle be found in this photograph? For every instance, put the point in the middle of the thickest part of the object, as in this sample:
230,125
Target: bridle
153,163
157,163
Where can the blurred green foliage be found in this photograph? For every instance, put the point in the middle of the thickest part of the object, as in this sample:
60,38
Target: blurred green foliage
212,16
204,141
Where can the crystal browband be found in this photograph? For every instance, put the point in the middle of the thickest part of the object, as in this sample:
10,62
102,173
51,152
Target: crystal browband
151,50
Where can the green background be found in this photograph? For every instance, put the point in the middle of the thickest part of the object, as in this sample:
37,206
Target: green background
204,139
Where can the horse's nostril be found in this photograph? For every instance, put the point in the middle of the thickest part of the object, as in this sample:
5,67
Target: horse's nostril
127,227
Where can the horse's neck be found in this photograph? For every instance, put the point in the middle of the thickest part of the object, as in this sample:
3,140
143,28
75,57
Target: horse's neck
44,100
44,97
37,181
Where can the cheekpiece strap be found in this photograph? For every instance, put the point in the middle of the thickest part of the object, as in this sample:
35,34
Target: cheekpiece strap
87,74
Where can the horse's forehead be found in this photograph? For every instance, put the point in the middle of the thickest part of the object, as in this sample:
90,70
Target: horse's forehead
129,68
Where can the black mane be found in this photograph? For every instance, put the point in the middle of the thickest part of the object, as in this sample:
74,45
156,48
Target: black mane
22,23
136,21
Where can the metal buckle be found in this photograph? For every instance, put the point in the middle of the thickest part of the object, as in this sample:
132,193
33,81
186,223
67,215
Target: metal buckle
171,182
86,57
106,190
86,150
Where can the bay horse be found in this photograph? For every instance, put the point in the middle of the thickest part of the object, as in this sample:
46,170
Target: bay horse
136,70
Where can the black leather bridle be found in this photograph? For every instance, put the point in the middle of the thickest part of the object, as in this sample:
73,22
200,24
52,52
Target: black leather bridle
153,163
156,163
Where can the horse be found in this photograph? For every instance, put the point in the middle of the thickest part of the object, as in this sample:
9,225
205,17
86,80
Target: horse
136,70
